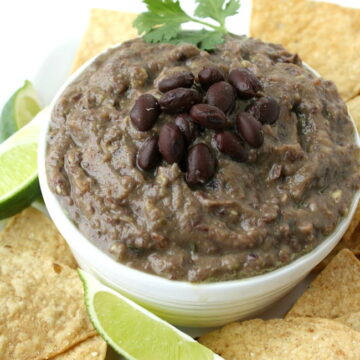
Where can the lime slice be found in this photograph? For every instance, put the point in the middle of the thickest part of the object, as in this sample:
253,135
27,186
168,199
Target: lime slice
135,332
19,184
19,110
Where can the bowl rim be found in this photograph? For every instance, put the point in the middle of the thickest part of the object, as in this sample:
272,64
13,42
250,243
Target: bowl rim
58,215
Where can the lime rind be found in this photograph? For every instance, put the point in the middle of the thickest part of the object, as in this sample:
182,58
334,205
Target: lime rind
26,105
19,110
161,339
28,134
20,200
19,185
7,125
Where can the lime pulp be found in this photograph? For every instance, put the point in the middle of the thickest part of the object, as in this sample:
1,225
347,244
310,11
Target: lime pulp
135,332
19,185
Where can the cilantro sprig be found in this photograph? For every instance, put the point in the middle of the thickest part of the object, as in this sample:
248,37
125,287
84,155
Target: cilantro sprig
164,19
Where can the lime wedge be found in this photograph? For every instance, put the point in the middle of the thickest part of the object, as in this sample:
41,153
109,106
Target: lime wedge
19,110
18,182
135,332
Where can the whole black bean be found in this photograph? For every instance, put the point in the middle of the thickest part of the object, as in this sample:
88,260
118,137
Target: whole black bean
187,127
221,95
209,76
208,116
231,144
265,109
183,79
179,100
245,82
200,164
250,129
148,155
171,143
145,112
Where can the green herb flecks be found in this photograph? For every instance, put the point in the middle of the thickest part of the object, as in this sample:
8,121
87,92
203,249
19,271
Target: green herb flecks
164,19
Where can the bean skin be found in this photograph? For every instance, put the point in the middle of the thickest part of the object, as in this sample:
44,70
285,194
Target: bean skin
231,144
187,127
148,155
266,110
208,116
179,100
201,165
145,112
245,82
221,95
209,76
171,143
183,79
250,129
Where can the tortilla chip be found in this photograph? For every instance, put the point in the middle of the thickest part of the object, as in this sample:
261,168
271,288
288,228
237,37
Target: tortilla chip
32,230
42,307
348,237
335,292
351,241
326,36
278,339
106,28
351,320
354,109
91,349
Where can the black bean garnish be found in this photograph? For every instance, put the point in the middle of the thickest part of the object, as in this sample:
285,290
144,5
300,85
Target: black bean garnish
209,76
145,112
221,95
187,127
250,129
183,79
245,82
179,100
148,155
265,109
231,144
208,116
171,143
200,165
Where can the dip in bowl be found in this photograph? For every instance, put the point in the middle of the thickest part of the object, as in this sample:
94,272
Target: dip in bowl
227,175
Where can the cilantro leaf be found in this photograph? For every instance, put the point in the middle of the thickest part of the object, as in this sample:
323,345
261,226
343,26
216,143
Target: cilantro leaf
204,39
163,33
218,10
163,20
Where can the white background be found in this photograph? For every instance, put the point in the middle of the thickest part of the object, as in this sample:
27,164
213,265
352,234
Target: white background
39,37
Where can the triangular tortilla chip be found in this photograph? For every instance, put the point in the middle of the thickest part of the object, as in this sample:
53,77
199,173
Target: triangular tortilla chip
351,320
90,349
42,307
326,36
106,28
278,339
32,230
335,292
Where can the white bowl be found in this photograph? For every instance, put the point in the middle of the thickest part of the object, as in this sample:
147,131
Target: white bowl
182,303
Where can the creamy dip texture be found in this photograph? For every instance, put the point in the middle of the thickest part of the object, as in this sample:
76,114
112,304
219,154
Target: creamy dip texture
253,196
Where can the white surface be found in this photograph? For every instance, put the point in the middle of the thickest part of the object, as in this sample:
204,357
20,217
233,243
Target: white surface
39,38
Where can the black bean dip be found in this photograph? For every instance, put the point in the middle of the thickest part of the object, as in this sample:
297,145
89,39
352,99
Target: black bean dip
172,178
